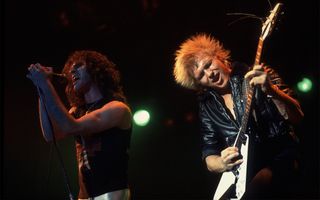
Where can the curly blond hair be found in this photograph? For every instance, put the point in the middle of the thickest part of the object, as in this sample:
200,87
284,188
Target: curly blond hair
193,49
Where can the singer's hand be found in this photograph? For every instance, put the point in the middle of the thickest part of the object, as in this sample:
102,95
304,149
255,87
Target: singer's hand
39,74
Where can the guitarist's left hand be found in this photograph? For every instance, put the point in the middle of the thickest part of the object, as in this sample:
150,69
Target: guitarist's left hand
287,106
259,77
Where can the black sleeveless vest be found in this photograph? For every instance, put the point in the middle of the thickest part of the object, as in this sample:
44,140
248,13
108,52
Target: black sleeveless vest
102,158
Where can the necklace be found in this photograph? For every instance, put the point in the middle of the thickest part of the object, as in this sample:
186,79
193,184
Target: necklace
84,154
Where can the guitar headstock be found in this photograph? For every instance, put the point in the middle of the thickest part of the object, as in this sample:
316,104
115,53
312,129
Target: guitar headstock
268,25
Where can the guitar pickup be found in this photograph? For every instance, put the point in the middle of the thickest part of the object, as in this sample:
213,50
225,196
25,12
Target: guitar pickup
243,138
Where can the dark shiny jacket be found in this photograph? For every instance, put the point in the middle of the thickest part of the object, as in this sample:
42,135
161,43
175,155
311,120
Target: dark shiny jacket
219,128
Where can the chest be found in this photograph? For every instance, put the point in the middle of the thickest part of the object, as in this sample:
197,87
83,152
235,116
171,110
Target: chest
228,101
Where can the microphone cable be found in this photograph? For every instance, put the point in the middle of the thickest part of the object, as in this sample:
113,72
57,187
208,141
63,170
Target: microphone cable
45,186
64,172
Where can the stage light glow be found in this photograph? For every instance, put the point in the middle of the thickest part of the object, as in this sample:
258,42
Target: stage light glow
305,85
141,117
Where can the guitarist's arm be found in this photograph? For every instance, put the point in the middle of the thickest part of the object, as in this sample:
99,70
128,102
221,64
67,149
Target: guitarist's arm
225,162
270,82
211,145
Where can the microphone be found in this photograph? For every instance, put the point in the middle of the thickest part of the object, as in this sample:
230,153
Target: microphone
57,74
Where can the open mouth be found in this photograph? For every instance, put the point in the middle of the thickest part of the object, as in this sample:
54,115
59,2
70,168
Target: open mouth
215,78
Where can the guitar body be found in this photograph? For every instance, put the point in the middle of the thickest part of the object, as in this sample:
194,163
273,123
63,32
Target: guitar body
226,185
242,176
233,183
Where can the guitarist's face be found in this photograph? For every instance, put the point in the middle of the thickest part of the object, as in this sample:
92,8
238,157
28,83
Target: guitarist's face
212,73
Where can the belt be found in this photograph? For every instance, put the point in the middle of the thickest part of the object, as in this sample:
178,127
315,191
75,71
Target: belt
114,195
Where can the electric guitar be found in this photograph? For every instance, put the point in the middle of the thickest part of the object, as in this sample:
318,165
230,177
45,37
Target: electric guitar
233,183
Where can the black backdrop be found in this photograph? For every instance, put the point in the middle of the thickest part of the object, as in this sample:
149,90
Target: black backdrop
141,37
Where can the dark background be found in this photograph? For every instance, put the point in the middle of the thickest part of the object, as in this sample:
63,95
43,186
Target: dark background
141,36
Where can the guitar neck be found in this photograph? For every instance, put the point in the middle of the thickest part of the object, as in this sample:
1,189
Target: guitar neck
259,51
243,128
250,90
249,94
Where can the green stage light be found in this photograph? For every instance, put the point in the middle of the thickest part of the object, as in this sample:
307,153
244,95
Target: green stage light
305,85
141,117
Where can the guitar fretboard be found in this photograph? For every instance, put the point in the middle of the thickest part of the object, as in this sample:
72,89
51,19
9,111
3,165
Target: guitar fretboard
241,138
249,92
259,50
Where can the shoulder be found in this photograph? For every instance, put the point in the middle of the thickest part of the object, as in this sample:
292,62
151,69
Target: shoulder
203,96
120,112
117,109
118,105
208,101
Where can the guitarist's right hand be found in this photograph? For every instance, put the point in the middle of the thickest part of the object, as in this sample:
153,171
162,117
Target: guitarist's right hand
228,159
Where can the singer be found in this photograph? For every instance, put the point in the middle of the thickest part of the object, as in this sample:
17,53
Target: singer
99,119
203,65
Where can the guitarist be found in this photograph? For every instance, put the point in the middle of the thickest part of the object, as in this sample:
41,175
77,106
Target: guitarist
203,65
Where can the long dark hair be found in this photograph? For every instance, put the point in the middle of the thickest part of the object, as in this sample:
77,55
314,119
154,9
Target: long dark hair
103,72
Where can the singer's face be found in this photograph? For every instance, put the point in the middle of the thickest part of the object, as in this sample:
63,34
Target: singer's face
212,73
81,79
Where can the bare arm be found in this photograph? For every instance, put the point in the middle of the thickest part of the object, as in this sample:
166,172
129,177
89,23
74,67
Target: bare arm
224,162
113,114
46,127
